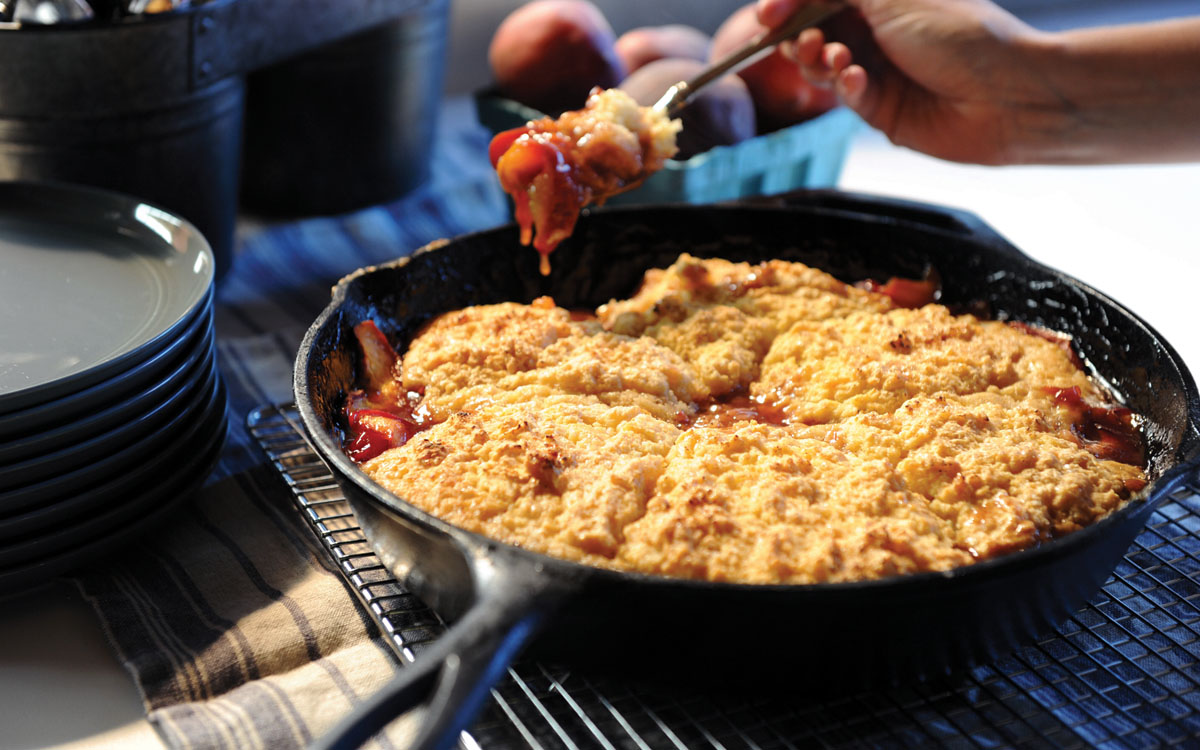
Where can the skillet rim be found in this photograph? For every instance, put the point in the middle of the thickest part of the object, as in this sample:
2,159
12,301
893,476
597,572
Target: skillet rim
1137,508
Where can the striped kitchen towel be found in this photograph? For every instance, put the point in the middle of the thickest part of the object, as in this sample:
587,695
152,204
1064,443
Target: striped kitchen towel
237,628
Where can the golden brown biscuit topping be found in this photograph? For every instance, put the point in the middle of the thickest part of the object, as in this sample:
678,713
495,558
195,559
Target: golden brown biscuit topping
752,423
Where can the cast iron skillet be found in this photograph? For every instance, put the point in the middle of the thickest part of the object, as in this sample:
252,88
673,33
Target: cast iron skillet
831,635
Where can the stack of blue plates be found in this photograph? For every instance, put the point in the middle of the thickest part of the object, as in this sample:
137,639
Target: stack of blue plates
111,407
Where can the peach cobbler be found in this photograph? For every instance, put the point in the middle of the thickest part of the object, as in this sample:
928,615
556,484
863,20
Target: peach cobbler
555,167
751,423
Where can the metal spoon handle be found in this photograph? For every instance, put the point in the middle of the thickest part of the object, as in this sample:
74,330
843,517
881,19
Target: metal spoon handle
810,15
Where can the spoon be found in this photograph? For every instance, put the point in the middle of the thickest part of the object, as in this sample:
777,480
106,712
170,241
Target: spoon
810,15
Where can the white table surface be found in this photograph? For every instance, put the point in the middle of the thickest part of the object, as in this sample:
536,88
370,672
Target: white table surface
1133,232
61,685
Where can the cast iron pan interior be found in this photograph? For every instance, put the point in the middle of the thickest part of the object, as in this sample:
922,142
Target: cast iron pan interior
831,636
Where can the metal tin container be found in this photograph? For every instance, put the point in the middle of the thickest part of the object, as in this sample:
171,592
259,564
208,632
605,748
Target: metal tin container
154,105
182,155
349,124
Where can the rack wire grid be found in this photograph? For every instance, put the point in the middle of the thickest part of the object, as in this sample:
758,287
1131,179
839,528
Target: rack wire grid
1123,672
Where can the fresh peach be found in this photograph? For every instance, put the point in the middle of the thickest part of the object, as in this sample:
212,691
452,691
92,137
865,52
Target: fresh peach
549,54
646,44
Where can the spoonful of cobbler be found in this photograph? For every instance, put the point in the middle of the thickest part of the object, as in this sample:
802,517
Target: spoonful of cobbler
553,168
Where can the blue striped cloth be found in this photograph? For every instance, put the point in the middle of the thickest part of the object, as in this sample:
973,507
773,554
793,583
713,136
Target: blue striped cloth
238,630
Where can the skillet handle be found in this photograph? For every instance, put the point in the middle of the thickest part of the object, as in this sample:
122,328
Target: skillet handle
455,675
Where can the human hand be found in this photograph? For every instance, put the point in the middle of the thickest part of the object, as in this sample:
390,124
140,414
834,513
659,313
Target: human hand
945,77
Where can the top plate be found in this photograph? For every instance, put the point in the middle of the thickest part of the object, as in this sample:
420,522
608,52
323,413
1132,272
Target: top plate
91,283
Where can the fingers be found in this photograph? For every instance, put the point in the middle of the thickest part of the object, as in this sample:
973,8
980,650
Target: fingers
835,58
805,48
820,63
851,88
824,64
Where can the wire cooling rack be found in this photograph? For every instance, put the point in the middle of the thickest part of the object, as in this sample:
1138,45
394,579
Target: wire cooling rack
1123,672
